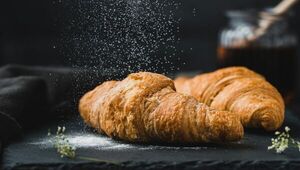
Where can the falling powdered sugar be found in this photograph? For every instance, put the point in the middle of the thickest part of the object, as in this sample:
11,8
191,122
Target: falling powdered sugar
124,35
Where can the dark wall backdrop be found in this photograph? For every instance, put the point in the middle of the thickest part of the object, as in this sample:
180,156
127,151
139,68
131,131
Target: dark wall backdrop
31,31
28,30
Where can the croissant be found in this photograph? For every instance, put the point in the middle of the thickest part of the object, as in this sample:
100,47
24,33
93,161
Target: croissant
239,90
144,107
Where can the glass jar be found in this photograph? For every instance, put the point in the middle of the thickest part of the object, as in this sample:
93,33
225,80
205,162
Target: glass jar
274,54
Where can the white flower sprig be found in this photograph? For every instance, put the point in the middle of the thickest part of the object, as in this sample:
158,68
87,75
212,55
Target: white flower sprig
65,148
283,140
62,144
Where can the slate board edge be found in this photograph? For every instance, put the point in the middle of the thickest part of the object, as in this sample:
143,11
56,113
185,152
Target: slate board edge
218,164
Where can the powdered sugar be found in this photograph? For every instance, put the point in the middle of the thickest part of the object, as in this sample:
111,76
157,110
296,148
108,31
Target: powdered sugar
100,142
127,35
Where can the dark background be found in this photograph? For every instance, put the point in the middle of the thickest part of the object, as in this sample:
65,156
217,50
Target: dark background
31,31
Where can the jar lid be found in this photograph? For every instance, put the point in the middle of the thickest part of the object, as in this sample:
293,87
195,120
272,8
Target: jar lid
254,14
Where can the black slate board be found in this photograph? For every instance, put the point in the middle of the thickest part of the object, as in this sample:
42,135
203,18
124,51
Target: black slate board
36,152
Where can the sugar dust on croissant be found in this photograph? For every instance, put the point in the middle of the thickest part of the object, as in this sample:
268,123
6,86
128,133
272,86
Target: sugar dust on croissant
239,90
144,107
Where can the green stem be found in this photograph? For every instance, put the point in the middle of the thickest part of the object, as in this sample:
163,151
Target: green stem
293,145
95,159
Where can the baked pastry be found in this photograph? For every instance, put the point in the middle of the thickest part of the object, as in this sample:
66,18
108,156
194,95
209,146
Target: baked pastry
144,107
239,90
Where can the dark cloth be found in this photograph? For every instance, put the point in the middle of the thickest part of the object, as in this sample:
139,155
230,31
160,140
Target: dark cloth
30,95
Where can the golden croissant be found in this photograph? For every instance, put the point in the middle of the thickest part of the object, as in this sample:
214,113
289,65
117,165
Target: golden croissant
239,90
144,107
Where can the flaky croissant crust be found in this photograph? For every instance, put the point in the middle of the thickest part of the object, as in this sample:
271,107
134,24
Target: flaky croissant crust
241,91
145,107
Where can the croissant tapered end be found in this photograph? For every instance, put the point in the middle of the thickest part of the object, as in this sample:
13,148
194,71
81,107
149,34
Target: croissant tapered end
271,121
87,101
229,125
269,113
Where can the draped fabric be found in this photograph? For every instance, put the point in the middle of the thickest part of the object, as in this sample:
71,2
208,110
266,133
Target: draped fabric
31,95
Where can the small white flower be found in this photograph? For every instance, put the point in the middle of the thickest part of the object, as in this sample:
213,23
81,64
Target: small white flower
58,130
277,133
287,129
63,129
